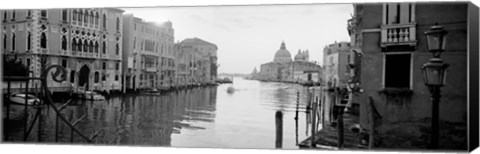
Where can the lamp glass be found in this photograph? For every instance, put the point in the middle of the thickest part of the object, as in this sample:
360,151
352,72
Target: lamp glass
436,40
433,41
434,74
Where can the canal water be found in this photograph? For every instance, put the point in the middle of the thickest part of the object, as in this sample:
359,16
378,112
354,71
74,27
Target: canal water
199,117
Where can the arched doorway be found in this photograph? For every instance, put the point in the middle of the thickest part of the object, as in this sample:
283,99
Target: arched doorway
83,77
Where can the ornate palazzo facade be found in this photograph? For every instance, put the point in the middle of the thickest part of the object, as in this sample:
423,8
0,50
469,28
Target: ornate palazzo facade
87,42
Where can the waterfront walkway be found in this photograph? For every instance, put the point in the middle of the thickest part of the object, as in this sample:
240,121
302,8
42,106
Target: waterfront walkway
327,137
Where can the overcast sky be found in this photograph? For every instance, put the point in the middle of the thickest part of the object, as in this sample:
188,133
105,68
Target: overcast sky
248,36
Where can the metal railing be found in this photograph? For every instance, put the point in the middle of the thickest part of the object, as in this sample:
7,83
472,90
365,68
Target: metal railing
46,100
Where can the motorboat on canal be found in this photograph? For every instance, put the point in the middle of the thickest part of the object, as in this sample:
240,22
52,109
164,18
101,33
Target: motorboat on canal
20,98
153,91
230,90
90,95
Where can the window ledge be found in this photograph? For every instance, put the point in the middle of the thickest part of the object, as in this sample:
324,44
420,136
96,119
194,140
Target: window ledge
396,91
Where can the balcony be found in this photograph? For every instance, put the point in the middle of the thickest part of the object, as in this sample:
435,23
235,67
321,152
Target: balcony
398,35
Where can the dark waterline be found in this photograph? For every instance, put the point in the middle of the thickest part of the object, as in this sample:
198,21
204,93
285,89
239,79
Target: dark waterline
199,117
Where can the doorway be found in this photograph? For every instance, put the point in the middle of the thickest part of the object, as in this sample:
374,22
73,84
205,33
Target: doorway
83,77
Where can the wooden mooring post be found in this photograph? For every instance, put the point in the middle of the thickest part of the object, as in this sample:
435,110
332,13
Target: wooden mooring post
7,121
296,118
340,110
371,124
278,129
25,131
314,120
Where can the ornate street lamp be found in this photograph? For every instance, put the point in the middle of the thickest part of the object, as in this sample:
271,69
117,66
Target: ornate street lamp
434,73
436,40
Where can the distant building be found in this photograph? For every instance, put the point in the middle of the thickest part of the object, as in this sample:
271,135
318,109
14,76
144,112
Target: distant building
283,69
197,61
147,60
254,74
87,42
390,39
208,52
336,58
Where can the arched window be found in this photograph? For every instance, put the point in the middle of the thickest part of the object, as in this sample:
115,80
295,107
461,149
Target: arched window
72,76
90,47
134,42
80,15
13,41
96,47
74,15
74,45
85,46
96,77
64,43
104,47
117,49
104,20
29,41
79,45
29,13
64,15
4,41
91,17
43,41
5,15
96,18
118,24
85,17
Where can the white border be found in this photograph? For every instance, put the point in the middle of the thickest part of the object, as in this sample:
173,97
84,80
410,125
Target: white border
42,148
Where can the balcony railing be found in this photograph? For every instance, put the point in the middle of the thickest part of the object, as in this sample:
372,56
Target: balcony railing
398,34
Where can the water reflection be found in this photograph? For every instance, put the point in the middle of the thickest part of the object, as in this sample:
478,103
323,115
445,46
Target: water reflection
200,117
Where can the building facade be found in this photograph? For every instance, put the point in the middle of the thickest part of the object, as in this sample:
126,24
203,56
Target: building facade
390,38
336,58
200,57
147,59
167,55
87,42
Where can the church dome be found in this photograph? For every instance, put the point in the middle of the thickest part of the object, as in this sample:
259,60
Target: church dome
299,56
282,55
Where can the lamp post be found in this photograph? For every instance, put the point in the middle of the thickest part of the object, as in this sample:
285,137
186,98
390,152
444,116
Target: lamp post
434,73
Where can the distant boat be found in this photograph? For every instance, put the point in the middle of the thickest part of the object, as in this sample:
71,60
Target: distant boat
90,95
153,91
230,90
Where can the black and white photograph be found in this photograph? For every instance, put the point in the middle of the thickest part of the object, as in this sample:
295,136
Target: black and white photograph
358,76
